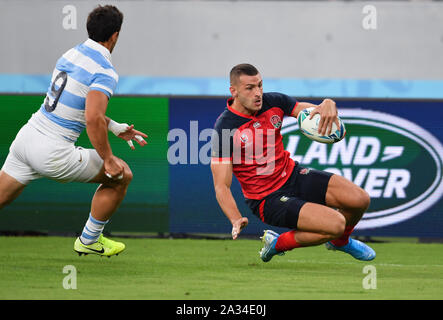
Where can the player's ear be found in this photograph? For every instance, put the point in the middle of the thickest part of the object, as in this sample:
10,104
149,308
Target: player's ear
114,36
113,40
233,91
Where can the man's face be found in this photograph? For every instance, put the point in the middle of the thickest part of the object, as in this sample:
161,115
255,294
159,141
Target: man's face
248,90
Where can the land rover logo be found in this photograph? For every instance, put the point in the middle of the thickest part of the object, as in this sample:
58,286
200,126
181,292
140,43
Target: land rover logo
396,161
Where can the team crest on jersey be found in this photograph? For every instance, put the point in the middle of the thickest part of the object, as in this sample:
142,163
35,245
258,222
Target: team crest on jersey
276,121
305,171
244,138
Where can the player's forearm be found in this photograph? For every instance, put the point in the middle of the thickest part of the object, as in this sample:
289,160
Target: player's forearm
97,129
227,203
302,106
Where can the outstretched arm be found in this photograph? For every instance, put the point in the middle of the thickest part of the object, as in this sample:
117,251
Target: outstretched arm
222,175
126,132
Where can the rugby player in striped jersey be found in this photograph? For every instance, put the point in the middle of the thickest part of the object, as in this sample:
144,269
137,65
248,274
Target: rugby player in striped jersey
83,81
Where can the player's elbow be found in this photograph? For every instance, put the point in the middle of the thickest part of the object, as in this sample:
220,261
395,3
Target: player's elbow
94,120
220,189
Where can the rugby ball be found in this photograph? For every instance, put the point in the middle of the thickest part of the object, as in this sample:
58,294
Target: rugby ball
309,127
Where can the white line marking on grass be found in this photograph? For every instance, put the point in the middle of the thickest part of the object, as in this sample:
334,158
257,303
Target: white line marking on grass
376,264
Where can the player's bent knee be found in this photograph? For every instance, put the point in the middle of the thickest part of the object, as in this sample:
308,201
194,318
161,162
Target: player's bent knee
365,199
127,176
358,201
361,200
337,227
346,195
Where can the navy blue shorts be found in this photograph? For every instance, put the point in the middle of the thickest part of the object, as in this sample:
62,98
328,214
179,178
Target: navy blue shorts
282,207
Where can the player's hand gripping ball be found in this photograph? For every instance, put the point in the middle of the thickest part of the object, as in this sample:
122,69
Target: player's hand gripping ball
309,127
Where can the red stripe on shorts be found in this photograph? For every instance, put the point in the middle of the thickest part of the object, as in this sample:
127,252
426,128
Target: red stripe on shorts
260,209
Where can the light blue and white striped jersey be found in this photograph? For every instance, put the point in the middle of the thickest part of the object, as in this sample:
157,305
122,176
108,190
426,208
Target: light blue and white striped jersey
81,69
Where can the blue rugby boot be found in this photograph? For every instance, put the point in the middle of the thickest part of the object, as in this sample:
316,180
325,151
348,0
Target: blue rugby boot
355,248
268,251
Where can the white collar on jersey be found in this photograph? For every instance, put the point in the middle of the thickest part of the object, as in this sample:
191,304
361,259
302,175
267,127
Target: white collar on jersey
97,46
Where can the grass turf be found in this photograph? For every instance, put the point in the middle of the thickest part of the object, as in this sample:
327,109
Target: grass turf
186,269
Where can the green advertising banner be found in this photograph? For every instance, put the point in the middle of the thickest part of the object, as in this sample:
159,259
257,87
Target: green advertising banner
47,205
391,150
395,160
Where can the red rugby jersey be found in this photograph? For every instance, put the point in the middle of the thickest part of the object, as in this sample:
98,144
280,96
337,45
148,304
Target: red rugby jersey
254,145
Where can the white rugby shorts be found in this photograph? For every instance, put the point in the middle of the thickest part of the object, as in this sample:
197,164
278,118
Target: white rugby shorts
33,155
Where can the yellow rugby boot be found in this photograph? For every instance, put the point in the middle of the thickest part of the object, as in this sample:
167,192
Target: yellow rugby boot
103,247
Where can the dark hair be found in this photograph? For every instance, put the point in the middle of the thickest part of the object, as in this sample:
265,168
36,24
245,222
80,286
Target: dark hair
103,22
240,69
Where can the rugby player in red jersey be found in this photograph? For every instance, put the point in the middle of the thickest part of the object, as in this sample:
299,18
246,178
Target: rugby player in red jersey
317,206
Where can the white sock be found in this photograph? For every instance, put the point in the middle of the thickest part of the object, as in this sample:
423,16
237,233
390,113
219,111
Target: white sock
92,230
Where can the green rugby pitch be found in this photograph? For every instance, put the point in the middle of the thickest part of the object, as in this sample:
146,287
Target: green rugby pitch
190,269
